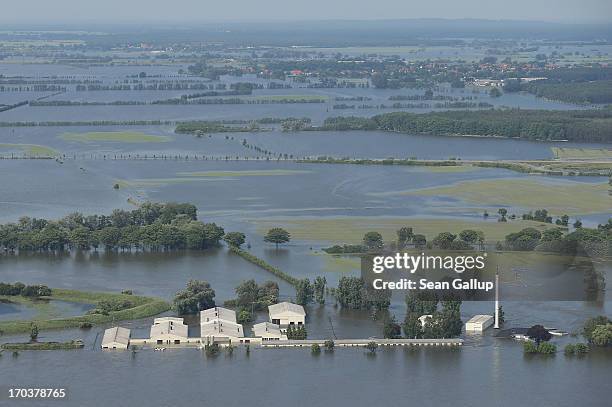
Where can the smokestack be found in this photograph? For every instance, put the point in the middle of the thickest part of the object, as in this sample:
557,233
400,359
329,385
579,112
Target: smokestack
496,326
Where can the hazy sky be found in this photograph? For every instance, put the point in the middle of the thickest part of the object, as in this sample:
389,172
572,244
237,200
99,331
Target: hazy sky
74,11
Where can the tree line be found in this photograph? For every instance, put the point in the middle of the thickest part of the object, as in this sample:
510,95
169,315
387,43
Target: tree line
152,226
574,125
31,291
582,240
467,239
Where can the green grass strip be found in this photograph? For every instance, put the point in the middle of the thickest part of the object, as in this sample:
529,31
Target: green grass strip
266,266
144,307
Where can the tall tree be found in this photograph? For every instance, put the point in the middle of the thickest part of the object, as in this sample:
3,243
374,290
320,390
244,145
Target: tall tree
304,292
404,236
277,236
235,239
391,329
373,241
197,296
319,289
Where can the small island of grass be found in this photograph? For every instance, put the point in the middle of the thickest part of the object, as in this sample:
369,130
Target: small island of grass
75,344
115,136
134,307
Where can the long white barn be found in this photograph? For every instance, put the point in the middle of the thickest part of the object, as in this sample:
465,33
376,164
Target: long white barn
287,313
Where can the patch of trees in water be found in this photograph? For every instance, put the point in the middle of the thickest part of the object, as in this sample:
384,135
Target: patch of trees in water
593,242
153,227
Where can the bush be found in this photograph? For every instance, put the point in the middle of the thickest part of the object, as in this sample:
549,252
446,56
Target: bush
36,291
33,291
591,324
602,335
372,346
85,325
315,349
105,307
544,348
298,332
530,347
11,289
344,249
392,330
212,350
576,349
547,348
581,348
329,345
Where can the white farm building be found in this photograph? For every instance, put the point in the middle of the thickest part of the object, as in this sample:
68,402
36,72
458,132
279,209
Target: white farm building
268,332
287,313
116,338
169,330
219,323
479,323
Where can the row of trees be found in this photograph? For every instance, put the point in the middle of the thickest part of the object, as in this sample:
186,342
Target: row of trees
152,226
373,241
542,215
583,240
581,92
32,291
296,332
576,125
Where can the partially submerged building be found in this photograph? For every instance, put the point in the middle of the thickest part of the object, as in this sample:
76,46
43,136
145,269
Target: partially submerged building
479,323
218,325
116,338
217,313
169,330
268,332
285,313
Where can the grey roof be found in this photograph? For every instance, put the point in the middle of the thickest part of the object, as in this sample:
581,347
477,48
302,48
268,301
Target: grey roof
220,327
217,313
283,307
165,319
169,327
266,329
116,334
479,319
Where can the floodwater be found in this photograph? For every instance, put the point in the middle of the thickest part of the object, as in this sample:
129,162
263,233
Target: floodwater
494,368
352,144
10,310
238,195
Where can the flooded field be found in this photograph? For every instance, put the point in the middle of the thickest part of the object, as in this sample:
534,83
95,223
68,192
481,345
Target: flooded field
101,167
